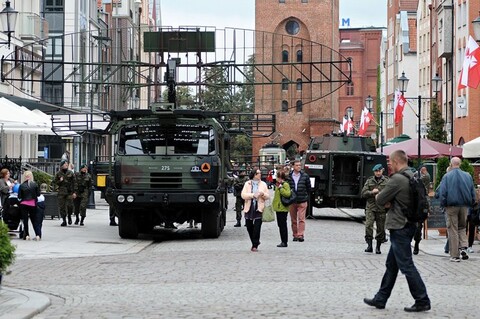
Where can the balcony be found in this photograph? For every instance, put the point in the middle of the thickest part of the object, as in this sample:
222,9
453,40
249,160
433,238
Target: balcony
31,27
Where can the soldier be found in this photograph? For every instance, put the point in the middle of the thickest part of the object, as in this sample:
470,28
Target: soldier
425,178
373,212
65,182
83,184
237,190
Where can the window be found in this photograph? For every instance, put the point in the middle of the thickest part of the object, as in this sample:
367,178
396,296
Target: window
284,106
299,56
281,1
304,1
350,88
299,84
284,84
292,27
284,56
299,106
54,5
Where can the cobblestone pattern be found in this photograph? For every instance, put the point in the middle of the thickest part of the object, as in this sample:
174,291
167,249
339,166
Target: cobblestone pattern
327,276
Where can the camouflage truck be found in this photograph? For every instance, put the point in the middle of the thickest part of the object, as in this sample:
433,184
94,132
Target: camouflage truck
169,166
338,166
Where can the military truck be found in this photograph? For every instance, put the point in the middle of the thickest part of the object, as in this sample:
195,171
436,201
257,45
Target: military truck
338,166
169,165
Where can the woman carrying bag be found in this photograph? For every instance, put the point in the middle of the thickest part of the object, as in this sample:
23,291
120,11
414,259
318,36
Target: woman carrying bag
282,190
254,192
28,194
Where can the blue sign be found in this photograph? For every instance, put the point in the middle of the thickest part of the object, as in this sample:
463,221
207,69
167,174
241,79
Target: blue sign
345,22
45,152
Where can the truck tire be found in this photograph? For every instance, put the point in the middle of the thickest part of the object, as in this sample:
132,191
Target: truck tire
211,224
127,225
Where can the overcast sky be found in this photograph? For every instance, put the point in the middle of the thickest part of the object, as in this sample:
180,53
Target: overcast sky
241,13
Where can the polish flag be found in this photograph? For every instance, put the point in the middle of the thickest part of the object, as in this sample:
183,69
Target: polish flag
365,120
399,104
349,126
470,75
344,125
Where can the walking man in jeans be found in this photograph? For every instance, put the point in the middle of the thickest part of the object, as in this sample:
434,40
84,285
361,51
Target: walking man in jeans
396,197
300,184
457,194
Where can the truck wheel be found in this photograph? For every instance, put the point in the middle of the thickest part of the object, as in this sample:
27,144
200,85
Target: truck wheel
211,224
127,225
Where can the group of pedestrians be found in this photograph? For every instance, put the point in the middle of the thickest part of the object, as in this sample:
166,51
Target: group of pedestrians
73,191
252,199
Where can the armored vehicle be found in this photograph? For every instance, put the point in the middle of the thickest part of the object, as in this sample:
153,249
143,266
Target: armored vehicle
338,166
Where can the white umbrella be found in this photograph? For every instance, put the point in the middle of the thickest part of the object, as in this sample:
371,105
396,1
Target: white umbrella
471,149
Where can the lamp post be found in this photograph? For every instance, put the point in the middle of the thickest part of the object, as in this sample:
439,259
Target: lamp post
403,83
8,18
476,28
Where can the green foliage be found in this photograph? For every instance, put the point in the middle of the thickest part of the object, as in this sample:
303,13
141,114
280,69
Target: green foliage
435,129
467,167
7,250
184,97
41,177
442,164
241,146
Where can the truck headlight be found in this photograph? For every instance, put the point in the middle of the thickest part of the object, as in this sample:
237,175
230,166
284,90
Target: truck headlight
130,198
120,198
201,198
211,198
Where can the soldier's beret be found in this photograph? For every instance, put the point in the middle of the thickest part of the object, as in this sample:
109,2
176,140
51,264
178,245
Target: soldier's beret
377,167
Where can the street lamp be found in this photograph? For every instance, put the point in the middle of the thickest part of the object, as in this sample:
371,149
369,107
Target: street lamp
403,83
476,28
369,103
350,112
8,18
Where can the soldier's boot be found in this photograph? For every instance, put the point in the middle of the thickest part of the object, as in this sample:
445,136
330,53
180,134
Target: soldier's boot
64,223
377,249
76,219
416,249
81,222
369,247
113,222
69,219
238,224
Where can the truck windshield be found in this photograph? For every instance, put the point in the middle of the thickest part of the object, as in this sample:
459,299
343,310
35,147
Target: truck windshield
157,139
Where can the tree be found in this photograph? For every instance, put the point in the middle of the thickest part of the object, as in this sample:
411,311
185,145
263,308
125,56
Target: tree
435,129
442,164
184,97
467,167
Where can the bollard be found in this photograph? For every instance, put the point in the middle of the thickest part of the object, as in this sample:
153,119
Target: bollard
91,199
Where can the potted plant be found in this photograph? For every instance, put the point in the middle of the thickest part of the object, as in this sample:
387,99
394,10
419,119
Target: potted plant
7,250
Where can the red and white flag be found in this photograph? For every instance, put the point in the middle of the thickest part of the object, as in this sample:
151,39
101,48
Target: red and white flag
349,126
365,120
344,125
470,75
399,105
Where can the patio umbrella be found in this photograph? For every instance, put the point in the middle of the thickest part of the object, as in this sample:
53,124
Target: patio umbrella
429,149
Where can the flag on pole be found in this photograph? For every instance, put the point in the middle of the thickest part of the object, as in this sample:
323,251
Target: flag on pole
399,104
349,126
365,120
470,74
344,124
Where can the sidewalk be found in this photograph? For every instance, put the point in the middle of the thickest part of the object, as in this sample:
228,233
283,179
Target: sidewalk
98,238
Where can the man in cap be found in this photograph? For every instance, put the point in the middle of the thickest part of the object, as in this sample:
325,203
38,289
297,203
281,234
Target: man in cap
83,184
374,212
65,182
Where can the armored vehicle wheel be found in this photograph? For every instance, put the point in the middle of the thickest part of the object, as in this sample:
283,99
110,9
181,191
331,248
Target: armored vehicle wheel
127,225
211,224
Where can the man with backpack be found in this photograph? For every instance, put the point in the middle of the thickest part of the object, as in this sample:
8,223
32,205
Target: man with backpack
396,196
457,195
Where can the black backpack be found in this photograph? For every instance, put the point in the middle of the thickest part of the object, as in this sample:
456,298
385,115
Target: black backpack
418,210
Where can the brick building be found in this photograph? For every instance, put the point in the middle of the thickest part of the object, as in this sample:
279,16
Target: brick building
362,46
299,114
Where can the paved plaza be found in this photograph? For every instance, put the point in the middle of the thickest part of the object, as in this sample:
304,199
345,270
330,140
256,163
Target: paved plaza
89,272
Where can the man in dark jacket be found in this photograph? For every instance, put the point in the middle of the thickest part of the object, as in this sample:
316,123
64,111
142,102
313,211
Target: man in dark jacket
396,197
300,184
457,194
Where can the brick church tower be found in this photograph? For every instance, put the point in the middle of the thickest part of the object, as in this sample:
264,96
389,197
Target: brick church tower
293,26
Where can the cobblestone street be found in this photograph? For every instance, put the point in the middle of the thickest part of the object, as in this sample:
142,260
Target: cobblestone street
180,275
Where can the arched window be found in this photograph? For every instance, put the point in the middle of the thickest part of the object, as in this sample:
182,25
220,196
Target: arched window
284,106
284,56
284,84
299,106
299,84
299,56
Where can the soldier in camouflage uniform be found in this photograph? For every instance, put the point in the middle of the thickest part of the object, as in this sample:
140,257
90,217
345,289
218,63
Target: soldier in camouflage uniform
65,183
373,212
425,178
237,190
83,185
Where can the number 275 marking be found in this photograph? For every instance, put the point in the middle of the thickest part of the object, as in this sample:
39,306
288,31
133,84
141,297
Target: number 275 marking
165,168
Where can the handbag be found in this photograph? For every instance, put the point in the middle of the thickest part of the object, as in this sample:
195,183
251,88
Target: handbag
268,215
475,216
287,201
